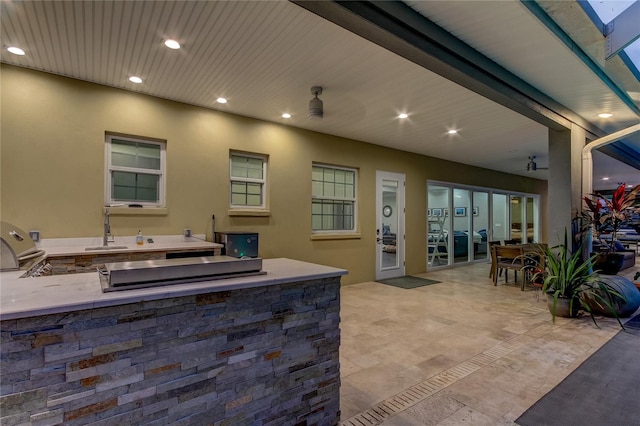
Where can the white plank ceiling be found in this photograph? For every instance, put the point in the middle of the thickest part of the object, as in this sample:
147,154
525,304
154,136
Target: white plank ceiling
264,56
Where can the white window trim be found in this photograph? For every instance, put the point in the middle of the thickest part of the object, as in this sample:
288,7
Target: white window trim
353,231
263,181
109,168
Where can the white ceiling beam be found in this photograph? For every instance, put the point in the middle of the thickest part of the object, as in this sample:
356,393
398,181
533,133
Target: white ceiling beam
623,30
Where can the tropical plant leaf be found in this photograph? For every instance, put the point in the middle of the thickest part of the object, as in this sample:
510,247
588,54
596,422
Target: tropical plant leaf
565,275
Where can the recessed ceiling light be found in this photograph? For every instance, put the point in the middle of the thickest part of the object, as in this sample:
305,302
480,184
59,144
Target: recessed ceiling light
286,115
452,132
403,115
172,44
16,50
605,178
135,79
221,100
605,115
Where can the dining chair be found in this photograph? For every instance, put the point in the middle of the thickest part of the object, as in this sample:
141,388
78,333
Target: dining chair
535,259
493,257
509,257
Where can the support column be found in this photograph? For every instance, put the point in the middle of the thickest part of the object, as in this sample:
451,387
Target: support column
565,181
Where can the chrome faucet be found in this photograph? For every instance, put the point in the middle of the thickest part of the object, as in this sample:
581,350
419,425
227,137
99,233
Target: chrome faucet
107,237
107,227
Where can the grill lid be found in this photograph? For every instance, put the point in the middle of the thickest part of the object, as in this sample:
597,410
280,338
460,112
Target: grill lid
148,273
16,247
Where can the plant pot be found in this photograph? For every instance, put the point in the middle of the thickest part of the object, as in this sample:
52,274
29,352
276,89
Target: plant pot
608,263
562,307
624,306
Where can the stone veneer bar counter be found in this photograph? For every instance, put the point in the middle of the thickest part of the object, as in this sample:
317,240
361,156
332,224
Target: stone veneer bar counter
259,350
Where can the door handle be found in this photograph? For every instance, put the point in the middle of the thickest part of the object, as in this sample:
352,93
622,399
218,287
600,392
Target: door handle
378,240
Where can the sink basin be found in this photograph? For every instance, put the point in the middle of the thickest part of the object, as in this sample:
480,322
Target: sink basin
106,248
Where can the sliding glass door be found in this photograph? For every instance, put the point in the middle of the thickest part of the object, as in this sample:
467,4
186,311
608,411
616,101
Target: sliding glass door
461,221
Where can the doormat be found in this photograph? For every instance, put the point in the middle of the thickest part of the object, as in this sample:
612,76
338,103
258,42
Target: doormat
603,391
408,282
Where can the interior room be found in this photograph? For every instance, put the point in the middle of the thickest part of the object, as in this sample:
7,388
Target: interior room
314,149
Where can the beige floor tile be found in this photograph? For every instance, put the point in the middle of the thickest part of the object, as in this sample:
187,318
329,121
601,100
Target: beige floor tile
395,338
430,412
468,416
434,365
375,384
403,419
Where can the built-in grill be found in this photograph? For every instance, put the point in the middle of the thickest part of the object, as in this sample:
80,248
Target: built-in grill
17,249
151,273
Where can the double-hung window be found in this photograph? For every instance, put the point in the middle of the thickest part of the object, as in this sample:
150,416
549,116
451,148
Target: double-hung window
248,176
135,171
333,199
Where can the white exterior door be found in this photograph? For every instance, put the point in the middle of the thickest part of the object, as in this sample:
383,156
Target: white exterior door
389,224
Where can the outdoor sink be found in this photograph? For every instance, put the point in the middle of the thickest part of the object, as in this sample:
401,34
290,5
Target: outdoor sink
107,248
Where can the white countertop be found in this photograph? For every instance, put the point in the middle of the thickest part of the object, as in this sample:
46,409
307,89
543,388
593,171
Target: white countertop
26,297
77,246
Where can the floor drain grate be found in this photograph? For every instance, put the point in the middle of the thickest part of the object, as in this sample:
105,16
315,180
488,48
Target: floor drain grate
400,402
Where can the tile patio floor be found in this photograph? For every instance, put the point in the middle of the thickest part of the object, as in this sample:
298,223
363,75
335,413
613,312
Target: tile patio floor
474,353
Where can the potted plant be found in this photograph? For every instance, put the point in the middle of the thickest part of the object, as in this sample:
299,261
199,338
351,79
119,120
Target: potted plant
607,215
570,283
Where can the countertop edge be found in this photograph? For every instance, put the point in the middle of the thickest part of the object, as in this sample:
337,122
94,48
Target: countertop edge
95,298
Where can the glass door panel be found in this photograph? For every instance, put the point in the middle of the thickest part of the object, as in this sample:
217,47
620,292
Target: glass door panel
499,212
517,227
438,225
531,219
390,229
463,238
389,224
480,218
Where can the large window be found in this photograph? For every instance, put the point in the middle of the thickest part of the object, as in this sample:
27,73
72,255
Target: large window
248,175
135,171
333,204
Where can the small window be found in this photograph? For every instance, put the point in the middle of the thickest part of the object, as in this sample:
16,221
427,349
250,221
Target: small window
333,204
136,171
248,175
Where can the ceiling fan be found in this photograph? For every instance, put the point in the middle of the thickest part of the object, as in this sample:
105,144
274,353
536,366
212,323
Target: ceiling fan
532,166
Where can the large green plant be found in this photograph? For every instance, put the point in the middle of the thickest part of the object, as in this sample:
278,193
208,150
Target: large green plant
565,275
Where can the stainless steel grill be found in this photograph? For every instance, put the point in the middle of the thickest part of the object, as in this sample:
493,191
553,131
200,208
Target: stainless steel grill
150,273
17,249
